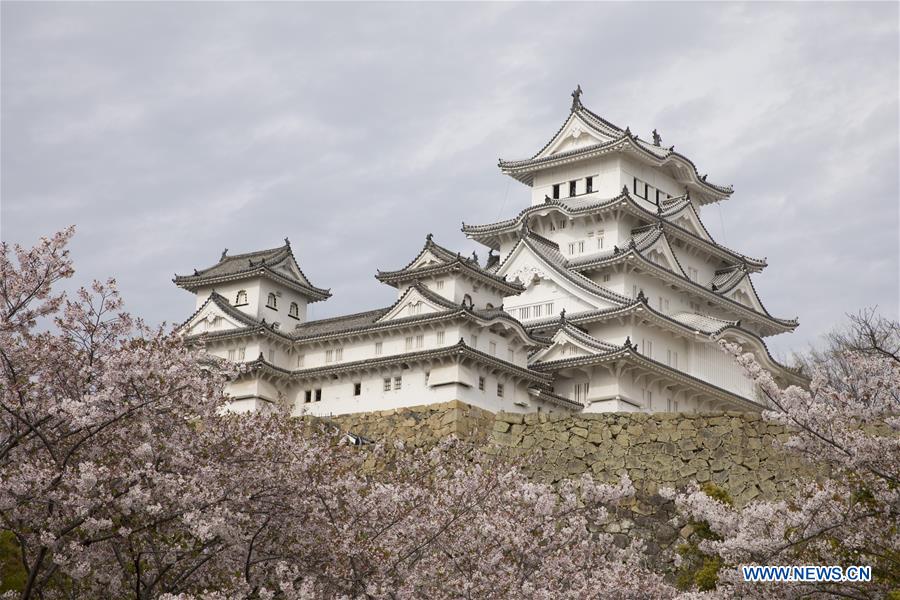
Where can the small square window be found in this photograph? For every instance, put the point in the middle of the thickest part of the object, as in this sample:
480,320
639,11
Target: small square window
440,337
318,394
398,382
378,347
387,384
481,383
420,341
556,192
572,188
308,397
500,390
589,185
357,389
492,348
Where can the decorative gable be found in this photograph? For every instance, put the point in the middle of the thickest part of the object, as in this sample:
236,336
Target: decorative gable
576,133
417,301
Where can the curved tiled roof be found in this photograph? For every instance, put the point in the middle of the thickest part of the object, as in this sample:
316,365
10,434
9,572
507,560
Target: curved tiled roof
619,136
572,208
630,353
450,262
635,250
241,266
549,252
460,348
226,307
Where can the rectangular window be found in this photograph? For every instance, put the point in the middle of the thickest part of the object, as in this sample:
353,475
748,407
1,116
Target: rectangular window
668,405
675,364
338,354
562,224
606,278
660,299
571,247
440,284
481,383
676,406
549,307
556,192
319,395
647,348
500,390
329,356
537,310
525,312
231,355
658,194
635,187
387,384
473,341
492,348
409,342
588,185
669,357
648,191
572,188
378,347
272,356
420,341
357,389
552,226
398,382
510,355
299,360
242,353
580,247
440,337
308,397
581,392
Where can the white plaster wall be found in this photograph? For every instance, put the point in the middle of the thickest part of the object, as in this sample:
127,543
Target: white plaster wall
604,170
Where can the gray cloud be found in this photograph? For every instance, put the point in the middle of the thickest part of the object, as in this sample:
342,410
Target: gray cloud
169,131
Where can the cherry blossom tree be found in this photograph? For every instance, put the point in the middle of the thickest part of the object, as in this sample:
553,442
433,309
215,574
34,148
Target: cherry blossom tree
849,422
122,476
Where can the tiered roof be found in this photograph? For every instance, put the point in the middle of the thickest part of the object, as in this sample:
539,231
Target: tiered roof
611,138
666,213
277,264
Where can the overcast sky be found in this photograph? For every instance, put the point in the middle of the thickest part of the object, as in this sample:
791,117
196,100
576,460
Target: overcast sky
167,132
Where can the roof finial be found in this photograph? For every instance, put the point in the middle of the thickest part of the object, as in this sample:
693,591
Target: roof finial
562,316
628,341
656,138
672,148
475,256
625,190
428,237
287,242
703,177
628,131
224,254
641,297
576,99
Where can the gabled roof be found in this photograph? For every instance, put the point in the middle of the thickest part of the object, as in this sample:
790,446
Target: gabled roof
435,260
418,290
460,349
605,137
641,242
704,325
668,213
548,252
221,302
278,264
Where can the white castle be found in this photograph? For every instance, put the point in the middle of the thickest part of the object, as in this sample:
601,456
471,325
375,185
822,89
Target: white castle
606,294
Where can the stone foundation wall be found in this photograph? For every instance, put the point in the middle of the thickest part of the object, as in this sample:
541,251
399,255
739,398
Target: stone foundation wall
733,450
421,425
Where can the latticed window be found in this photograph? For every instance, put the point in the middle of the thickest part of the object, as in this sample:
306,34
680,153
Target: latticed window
241,298
294,310
272,301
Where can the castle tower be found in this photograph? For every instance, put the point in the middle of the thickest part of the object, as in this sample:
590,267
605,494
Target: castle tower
614,241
